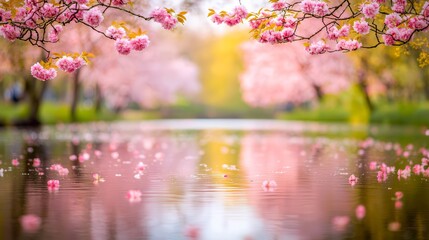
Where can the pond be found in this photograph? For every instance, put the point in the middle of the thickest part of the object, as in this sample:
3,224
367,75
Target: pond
214,179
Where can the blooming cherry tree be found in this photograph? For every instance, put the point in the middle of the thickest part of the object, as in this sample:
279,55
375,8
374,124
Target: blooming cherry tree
285,73
157,77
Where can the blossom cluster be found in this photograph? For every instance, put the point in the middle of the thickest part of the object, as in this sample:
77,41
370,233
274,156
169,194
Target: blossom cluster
40,22
231,19
41,73
69,64
315,7
338,27
162,16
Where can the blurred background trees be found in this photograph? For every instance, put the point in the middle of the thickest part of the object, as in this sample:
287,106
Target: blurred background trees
204,71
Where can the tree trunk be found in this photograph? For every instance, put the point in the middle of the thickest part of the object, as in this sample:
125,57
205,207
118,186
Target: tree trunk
98,101
34,91
319,92
75,95
364,86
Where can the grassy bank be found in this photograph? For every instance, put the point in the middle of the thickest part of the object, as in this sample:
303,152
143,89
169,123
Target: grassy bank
395,114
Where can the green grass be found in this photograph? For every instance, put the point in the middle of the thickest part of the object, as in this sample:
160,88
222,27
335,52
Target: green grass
396,114
51,113
318,114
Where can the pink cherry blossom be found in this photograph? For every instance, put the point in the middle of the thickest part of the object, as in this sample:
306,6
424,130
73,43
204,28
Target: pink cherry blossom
388,39
42,73
97,178
287,22
161,15
30,223
279,5
418,23
360,212
66,64
417,169
69,65
334,33
141,167
93,17
36,162
15,162
192,232
349,45
381,176
235,17
63,172
21,14
123,46
53,34
5,15
399,195
353,179
315,7
119,2
373,165
10,32
115,33
392,20
370,10
361,27
340,222
53,184
321,8
49,10
269,185
404,173
399,5
140,42
240,12
134,196
231,21
307,6
398,204
318,47
78,11
216,18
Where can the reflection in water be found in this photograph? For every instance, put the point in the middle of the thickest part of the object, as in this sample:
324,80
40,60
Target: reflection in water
206,184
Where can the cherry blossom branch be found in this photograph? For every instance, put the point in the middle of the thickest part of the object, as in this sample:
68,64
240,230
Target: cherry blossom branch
41,21
335,26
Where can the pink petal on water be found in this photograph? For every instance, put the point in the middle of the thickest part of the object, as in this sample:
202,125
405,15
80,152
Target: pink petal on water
269,185
134,196
192,232
340,222
399,195
394,226
360,212
30,223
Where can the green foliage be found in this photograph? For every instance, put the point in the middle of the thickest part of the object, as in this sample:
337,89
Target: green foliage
52,113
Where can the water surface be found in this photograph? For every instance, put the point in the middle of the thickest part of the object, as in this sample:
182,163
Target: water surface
203,179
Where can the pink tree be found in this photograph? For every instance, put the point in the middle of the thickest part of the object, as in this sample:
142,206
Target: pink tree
277,74
157,77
